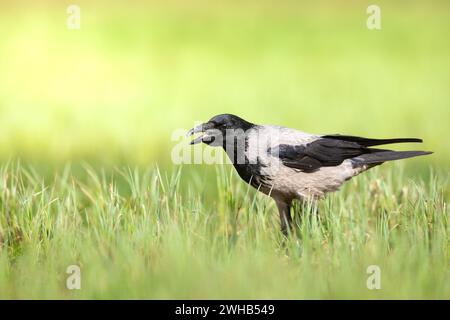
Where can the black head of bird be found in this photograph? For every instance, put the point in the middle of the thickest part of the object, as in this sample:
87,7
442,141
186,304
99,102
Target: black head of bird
220,129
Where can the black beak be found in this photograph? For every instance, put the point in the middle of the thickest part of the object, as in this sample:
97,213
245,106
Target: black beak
200,128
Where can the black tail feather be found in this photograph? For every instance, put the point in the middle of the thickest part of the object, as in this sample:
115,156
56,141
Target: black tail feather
367,142
388,155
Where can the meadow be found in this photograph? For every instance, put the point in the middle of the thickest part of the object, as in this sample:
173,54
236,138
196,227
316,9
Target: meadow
86,123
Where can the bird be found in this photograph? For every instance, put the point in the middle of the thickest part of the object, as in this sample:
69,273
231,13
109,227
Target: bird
287,164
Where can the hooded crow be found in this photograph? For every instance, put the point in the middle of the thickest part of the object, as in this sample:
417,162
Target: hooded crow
287,164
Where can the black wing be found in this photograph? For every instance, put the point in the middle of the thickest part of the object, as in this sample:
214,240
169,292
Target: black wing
332,150
367,142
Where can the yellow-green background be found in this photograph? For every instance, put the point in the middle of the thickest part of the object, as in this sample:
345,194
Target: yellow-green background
113,92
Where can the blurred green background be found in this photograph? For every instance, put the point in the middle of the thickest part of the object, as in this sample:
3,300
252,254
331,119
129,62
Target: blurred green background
113,92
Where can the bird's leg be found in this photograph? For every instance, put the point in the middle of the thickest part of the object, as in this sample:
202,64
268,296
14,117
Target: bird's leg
284,209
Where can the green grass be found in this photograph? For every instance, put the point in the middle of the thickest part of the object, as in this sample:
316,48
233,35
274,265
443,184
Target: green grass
135,234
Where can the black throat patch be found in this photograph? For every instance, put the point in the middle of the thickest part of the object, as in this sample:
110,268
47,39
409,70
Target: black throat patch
249,172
